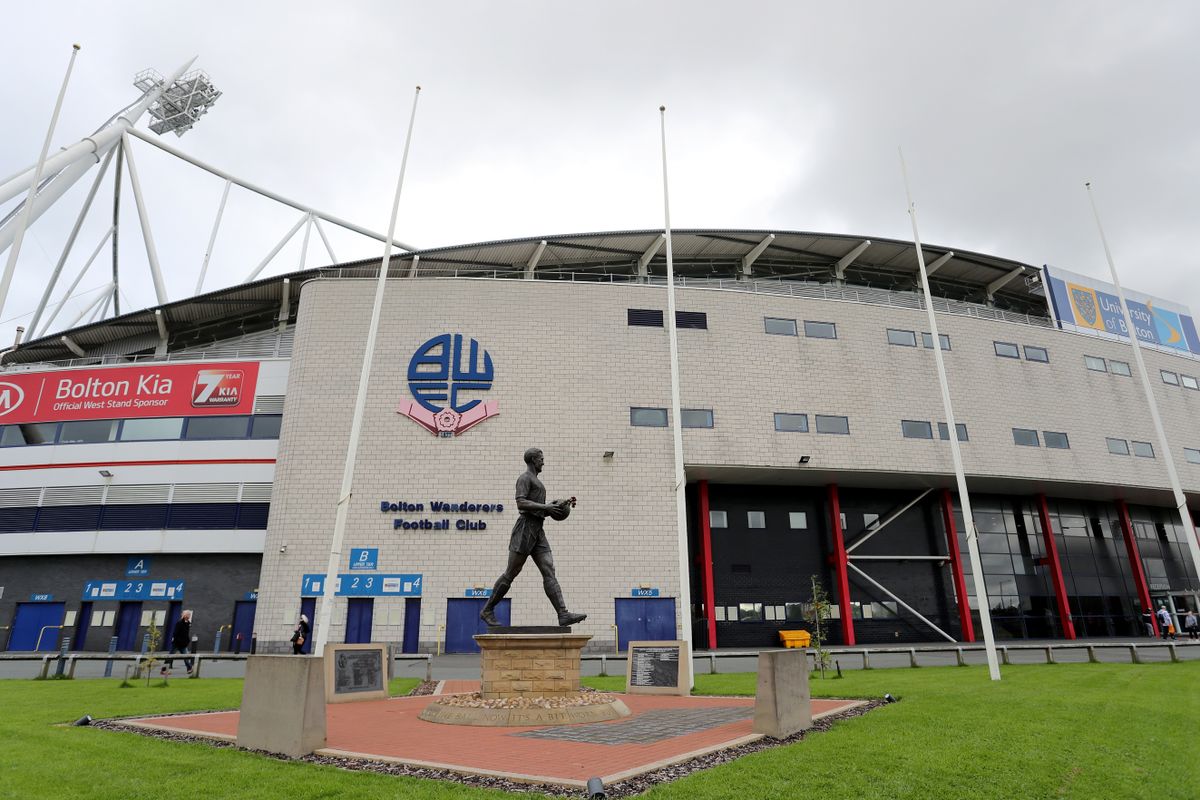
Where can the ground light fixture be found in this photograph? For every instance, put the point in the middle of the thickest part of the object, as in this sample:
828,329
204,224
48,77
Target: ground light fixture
888,698
595,789
86,719
105,473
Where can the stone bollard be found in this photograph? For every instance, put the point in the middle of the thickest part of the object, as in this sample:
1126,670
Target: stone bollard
782,704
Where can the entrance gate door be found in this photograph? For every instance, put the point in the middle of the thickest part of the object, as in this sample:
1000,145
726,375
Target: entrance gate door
642,619
463,622
32,622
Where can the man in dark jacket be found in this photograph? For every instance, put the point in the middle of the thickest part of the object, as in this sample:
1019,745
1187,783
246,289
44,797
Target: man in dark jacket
181,641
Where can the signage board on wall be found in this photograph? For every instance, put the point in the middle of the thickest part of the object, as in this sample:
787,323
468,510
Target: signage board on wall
133,590
1088,305
161,390
478,591
137,567
363,585
444,382
644,591
364,558
40,598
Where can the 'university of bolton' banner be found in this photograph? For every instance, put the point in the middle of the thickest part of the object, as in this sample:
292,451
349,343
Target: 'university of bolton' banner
158,390
1087,304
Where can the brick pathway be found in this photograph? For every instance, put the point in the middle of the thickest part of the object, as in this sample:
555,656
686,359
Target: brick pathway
662,730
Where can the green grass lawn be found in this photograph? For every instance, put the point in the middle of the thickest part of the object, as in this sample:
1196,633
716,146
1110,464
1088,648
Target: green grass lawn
1070,731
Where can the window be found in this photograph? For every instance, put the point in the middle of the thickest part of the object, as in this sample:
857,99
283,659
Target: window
793,612
780,327
791,422
216,428
718,519
944,431
1007,350
1026,437
1095,364
798,520
927,341
33,433
87,431
646,317
1143,449
1120,368
831,424
1118,447
915,429
144,430
750,612
902,338
820,330
1193,456
756,519
1036,354
696,417
648,417
697,320
1189,382
265,426
1056,441
1169,377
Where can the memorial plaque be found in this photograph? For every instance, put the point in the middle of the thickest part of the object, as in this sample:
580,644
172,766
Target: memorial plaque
355,672
658,668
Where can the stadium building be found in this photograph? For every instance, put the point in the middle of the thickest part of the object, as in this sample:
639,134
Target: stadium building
190,455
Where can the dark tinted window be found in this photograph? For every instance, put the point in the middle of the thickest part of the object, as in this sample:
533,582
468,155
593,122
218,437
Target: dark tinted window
216,427
820,330
1026,437
696,418
831,424
915,429
791,422
34,433
265,426
1007,350
779,326
90,430
691,319
649,317
648,417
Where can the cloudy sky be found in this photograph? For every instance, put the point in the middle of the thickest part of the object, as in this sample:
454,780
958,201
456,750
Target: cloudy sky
542,117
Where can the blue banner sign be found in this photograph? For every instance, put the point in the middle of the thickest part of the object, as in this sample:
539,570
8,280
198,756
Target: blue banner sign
364,585
1086,304
133,590
40,598
364,558
250,595
137,567
478,593
643,592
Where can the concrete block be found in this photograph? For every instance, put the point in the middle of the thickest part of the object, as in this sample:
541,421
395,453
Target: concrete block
283,705
782,704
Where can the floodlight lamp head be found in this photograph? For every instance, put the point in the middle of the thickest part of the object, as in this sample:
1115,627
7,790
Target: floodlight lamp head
181,103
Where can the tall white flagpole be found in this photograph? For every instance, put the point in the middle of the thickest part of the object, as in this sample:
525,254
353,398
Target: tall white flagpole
985,616
1181,505
23,222
327,599
685,584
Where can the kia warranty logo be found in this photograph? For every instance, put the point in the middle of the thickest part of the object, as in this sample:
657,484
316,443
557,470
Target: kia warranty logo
442,378
11,397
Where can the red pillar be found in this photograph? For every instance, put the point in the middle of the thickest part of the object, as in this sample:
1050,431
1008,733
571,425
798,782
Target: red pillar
960,581
707,567
1135,564
1060,586
840,562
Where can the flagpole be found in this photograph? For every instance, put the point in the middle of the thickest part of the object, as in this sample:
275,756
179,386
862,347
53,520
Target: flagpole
327,597
1181,505
985,616
685,586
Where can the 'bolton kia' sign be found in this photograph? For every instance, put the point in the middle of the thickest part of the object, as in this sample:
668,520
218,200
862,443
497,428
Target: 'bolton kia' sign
161,390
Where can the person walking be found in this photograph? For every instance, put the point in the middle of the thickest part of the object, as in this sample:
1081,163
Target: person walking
300,636
1166,625
1191,625
1148,622
181,641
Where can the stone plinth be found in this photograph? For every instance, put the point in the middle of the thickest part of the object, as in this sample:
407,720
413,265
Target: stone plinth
283,705
530,665
782,704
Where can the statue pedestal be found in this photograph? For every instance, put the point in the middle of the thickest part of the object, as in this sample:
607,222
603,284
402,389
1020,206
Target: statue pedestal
530,664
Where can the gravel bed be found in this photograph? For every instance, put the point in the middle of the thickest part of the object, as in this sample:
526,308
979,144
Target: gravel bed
628,788
584,697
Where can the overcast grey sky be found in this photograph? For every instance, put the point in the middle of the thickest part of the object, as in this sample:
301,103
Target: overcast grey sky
541,118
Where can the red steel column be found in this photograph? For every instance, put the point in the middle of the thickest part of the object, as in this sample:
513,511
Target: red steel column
1135,564
1060,586
840,560
707,565
960,581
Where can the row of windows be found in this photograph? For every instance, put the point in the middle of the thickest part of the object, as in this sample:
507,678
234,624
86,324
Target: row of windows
797,612
797,520
257,426
1011,350
787,327
653,318
143,517
1173,379
1097,364
703,418
1120,447
920,429
1027,437
904,338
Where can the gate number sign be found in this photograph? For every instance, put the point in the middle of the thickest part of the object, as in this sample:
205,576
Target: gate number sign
133,590
371,584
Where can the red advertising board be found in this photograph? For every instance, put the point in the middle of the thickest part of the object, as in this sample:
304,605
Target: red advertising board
157,390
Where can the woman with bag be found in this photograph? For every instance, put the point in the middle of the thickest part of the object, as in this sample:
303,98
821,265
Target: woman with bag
300,635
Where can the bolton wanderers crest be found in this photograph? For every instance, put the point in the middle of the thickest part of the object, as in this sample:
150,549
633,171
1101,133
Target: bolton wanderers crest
443,377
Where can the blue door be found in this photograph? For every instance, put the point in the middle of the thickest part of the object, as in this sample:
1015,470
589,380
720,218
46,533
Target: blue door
243,624
174,611
82,623
412,624
129,621
463,622
644,619
308,607
359,611
35,621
